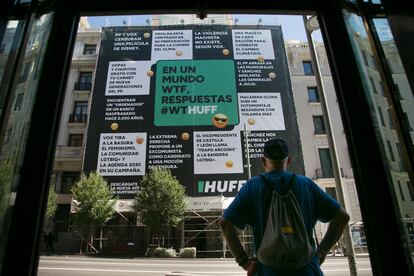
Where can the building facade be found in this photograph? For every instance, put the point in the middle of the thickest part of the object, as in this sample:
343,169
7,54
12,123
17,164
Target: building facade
71,136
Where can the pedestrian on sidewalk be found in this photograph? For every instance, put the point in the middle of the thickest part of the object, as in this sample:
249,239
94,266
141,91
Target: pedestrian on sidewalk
50,239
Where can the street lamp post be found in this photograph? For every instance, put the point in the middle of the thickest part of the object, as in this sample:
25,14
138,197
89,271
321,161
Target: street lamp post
311,24
246,137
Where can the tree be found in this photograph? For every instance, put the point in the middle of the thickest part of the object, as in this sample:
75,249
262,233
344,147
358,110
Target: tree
95,203
160,200
51,203
6,175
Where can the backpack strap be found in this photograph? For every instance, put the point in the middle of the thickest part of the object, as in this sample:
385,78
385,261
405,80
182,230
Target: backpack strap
292,182
269,193
268,198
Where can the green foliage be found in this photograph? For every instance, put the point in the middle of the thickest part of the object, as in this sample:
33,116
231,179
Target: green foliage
6,174
188,252
51,203
161,252
95,203
6,171
160,200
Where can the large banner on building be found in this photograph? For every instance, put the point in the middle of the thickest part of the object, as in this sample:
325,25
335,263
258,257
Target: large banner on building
182,98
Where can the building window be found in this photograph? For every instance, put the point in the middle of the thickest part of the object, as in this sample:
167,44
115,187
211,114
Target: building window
332,192
364,57
8,135
18,102
68,179
390,150
79,112
313,94
390,119
381,86
84,82
89,49
400,190
2,48
381,116
319,125
62,218
374,62
307,68
374,88
75,140
400,156
25,72
326,163
411,190
407,122
398,92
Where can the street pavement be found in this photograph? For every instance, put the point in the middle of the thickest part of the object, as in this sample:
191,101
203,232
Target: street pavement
94,266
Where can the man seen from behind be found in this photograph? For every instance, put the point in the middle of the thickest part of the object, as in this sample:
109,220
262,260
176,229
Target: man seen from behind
248,208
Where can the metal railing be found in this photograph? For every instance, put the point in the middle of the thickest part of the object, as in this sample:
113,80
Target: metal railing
324,173
78,118
320,131
83,86
68,152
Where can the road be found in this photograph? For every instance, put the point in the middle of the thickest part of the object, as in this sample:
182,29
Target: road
91,266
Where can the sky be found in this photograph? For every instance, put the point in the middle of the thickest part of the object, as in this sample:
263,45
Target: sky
292,25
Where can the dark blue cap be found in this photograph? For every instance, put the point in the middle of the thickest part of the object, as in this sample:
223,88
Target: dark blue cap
275,149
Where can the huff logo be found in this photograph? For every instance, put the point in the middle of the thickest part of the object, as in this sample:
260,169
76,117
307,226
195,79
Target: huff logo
220,186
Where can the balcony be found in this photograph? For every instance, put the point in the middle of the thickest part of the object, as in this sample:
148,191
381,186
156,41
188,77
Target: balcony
398,166
328,173
78,118
320,132
65,153
83,86
324,173
314,100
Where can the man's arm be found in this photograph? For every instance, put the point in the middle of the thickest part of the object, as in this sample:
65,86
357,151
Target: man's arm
333,234
230,235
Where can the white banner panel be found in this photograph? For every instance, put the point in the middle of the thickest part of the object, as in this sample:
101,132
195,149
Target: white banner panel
128,78
217,152
122,154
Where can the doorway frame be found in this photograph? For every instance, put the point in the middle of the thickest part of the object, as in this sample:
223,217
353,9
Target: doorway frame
386,246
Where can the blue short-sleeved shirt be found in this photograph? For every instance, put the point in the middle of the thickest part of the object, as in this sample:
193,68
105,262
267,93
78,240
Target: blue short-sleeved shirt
248,206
